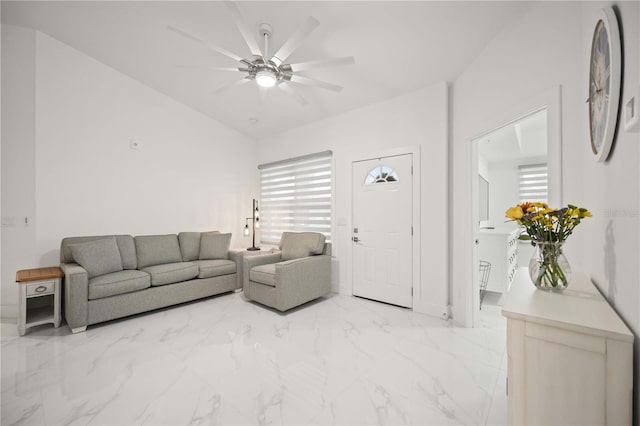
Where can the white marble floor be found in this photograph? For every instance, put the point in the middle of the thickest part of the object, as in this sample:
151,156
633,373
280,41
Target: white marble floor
224,360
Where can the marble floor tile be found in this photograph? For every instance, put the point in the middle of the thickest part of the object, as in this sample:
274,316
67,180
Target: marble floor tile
225,360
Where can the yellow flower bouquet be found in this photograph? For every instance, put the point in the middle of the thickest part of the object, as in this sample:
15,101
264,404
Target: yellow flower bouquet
547,229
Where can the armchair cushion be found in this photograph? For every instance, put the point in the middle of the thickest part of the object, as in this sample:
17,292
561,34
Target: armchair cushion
98,257
214,246
264,274
157,250
295,245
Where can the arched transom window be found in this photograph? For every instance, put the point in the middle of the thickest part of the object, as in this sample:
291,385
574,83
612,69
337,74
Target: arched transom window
381,174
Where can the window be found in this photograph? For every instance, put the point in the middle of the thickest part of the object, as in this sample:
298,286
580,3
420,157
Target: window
381,174
295,196
533,182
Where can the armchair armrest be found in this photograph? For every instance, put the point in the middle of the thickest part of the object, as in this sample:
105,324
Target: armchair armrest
303,279
76,294
304,269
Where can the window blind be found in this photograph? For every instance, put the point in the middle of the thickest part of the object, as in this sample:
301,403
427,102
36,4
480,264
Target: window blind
295,196
533,182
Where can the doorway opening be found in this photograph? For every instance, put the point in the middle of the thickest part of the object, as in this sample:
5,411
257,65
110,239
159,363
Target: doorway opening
512,167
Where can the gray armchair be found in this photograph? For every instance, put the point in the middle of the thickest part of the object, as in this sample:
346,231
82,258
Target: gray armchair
298,274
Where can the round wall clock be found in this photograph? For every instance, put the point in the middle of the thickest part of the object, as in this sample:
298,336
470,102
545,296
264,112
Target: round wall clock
604,83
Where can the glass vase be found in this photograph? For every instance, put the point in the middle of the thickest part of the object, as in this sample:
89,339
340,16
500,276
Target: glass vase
549,269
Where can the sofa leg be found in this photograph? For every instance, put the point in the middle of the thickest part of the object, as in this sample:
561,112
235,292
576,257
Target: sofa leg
79,329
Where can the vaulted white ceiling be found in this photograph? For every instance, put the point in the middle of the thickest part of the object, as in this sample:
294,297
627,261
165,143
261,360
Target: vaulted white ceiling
398,47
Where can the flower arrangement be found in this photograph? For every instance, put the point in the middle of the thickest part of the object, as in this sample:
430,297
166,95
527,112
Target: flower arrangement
543,223
547,229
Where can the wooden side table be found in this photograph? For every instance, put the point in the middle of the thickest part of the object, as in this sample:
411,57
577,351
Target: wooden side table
39,297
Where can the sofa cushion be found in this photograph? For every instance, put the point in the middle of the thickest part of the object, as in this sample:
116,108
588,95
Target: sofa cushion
295,245
264,274
215,267
170,273
98,257
214,246
157,250
118,283
125,245
190,244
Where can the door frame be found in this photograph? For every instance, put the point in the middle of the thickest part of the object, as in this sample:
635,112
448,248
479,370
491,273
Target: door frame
415,217
551,100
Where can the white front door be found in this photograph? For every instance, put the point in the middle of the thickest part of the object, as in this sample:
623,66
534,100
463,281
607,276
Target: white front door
382,229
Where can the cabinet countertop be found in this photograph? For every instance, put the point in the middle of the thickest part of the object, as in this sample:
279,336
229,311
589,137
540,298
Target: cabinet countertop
580,307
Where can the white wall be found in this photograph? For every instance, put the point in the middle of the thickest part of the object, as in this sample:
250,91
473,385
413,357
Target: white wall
416,119
503,190
80,176
550,47
612,247
18,160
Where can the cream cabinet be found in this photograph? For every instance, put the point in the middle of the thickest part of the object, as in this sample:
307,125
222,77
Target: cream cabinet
500,248
570,357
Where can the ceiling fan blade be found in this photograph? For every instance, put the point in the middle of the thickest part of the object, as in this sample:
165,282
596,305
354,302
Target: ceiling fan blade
295,40
244,30
232,84
212,68
315,83
303,66
291,92
213,47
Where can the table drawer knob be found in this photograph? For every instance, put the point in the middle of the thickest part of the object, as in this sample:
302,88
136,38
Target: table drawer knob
41,289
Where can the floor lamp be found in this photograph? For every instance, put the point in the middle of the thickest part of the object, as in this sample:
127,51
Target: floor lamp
255,223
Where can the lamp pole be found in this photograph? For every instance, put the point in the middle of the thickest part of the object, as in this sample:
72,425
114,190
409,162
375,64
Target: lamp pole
255,218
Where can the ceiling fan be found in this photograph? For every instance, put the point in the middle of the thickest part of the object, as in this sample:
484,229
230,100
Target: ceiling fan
270,71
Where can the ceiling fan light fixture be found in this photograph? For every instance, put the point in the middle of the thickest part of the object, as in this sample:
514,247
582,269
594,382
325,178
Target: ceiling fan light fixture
265,78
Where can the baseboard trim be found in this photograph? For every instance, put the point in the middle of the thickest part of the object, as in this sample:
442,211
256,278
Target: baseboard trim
443,312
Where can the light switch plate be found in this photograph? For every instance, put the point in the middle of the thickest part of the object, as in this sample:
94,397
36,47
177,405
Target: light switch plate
631,113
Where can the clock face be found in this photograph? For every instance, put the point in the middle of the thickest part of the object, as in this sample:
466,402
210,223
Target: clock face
599,86
604,84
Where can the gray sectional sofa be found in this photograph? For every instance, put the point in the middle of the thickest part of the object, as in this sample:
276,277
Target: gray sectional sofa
109,277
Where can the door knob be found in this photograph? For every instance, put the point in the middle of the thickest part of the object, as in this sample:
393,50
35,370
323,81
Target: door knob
355,239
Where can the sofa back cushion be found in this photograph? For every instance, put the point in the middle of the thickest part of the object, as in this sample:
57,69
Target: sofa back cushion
98,257
295,245
157,250
190,244
125,244
214,246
